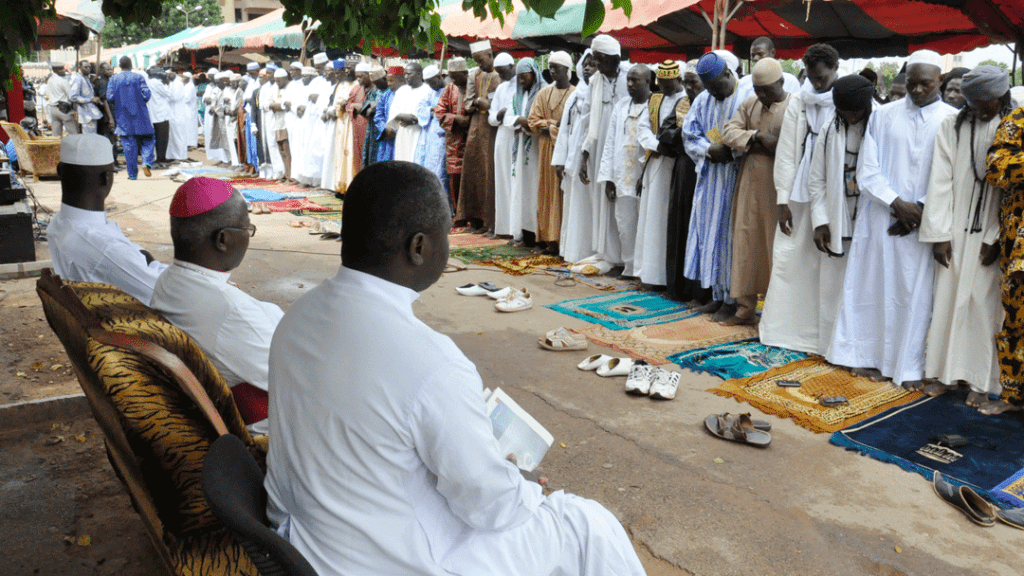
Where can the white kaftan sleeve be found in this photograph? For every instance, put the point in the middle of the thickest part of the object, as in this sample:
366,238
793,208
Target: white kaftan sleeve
124,262
817,182
454,437
695,140
869,169
647,135
611,145
561,151
786,158
937,216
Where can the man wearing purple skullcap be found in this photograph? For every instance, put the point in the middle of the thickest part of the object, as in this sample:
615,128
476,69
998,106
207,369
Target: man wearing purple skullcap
210,229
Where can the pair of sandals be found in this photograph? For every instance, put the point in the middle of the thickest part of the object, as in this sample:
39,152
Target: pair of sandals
259,208
976,508
606,366
562,340
739,428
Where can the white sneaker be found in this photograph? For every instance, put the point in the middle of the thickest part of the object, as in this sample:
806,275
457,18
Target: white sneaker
480,289
641,375
615,367
665,384
515,301
594,362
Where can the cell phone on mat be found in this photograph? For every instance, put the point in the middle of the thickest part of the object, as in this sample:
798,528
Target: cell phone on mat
788,383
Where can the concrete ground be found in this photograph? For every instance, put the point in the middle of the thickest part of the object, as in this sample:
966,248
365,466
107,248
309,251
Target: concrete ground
693,504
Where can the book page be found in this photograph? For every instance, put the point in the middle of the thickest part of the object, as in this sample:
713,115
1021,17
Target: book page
517,432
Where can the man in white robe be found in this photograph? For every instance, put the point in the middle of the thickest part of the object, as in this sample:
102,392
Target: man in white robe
341,87
294,98
232,102
402,115
623,158
210,229
216,143
507,222
649,256
577,223
961,221
525,175
316,127
835,195
272,121
887,294
791,314
604,90
378,466
191,112
177,141
159,105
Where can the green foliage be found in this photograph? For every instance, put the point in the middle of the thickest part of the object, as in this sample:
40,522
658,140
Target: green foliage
18,32
1015,81
132,29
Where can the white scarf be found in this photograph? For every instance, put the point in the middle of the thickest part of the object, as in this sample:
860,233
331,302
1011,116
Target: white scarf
818,107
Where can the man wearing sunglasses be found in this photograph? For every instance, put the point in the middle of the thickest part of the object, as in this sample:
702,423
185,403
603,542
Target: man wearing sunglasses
210,229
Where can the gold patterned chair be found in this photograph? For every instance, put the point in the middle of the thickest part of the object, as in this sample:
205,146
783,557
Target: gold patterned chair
161,404
38,155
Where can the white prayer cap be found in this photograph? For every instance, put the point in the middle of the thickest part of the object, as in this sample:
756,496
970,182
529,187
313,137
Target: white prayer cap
481,46
561,58
308,71
297,65
212,71
457,65
252,66
225,75
691,66
377,73
86,150
504,59
730,59
187,74
605,44
363,67
280,73
235,77
320,58
766,71
430,71
925,57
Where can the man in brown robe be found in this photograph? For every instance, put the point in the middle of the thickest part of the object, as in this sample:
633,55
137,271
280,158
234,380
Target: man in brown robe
754,130
451,113
545,115
476,194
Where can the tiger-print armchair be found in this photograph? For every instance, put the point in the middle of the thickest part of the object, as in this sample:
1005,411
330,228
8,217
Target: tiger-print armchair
161,404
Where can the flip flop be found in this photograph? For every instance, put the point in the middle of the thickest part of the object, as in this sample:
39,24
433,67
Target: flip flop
976,508
1013,517
739,430
562,340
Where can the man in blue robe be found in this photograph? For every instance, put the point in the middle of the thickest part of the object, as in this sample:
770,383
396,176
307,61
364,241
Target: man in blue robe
430,152
128,94
385,133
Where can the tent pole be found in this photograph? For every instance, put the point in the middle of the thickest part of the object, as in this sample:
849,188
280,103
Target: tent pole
99,48
220,56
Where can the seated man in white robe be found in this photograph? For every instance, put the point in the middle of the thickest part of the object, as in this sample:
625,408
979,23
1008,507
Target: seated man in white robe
210,229
623,158
382,458
887,293
961,220
84,245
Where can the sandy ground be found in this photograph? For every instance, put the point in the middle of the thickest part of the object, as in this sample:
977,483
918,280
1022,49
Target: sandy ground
692,503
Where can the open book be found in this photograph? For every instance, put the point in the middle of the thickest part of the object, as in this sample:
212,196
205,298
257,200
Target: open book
517,432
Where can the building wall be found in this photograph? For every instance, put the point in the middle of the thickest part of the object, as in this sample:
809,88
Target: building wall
245,10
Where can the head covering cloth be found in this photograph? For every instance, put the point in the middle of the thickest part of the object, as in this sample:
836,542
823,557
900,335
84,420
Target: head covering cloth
86,150
252,66
523,100
504,59
710,66
430,71
296,65
280,73
668,70
363,67
199,195
376,74
766,71
320,58
395,70
985,83
605,44
561,58
925,57
457,65
481,46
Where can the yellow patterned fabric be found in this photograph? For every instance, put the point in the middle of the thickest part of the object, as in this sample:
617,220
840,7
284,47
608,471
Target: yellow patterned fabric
1006,171
817,380
167,431
213,553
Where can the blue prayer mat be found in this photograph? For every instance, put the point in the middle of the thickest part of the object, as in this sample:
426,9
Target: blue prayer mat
991,464
261,195
624,310
735,359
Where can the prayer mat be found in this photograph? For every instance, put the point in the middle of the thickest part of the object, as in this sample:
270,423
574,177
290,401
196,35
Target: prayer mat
991,463
260,195
329,211
245,182
817,379
657,342
624,310
514,261
736,359
605,283
295,205
458,240
203,171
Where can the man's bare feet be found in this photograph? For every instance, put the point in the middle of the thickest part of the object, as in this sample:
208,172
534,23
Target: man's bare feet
724,313
936,388
709,308
914,385
976,399
993,407
739,321
872,374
